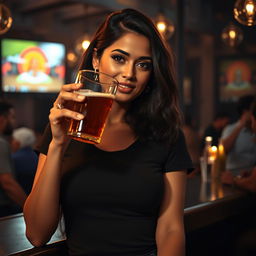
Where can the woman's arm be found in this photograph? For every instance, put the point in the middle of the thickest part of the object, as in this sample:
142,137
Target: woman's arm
42,207
170,237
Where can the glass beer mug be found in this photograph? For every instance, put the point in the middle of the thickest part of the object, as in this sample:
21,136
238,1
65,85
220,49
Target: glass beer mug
99,90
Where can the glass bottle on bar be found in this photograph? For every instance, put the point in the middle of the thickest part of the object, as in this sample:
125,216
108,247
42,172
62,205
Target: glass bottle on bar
219,165
205,160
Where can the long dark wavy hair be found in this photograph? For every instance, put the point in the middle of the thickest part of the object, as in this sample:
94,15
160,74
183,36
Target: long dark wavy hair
155,113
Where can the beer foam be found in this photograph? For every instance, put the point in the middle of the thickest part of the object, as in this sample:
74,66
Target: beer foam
89,93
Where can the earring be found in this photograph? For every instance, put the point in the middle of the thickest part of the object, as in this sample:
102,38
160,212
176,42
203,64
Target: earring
96,75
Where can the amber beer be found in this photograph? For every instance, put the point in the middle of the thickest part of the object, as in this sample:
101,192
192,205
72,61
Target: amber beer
95,108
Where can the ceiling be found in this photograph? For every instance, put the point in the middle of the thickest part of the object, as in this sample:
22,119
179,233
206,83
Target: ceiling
65,20
35,14
69,11
55,19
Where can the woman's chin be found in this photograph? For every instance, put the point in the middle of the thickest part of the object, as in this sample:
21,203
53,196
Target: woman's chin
123,98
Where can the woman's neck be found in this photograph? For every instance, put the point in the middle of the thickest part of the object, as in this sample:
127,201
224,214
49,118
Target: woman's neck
117,113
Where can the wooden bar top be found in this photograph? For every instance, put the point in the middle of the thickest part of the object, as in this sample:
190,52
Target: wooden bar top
206,204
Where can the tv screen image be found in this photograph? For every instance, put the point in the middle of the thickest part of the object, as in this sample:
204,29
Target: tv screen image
32,66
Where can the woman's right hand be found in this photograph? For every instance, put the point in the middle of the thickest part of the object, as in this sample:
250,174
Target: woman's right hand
59,112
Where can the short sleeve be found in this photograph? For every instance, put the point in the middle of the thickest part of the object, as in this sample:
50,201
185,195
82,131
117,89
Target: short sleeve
178,157
227,131
42,146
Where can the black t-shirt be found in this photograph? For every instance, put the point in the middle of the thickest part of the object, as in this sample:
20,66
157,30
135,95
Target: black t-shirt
111,200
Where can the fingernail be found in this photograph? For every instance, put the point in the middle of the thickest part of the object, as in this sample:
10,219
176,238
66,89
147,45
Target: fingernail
79,116
78,85
80,97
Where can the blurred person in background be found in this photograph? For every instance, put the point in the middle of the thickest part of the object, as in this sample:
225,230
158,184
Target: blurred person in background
215,129
239,140
192,139
246,241
12,196
24,157
247,180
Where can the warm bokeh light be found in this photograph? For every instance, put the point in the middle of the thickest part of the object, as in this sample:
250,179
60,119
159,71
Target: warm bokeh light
5,19
214,149
161,26
208,138
85,44
164,26
221,149
245,12
232,35
82,43
71,57
249,7
212,153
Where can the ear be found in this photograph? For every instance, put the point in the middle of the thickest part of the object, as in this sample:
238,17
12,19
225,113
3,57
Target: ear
95,59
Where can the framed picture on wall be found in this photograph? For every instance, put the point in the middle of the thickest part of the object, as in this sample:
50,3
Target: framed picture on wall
236,77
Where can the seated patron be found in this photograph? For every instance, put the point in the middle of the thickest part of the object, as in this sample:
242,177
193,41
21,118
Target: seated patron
239,140
12,196
192,139
246,181
24,157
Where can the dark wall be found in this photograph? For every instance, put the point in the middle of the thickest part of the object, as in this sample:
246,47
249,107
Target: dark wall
32,110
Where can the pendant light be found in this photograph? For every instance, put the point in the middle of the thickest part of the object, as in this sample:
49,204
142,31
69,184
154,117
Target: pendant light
164,25
232,35
5,19
245,12
82,43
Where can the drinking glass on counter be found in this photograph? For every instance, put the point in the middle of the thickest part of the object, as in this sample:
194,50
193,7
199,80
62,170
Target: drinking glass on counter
99,89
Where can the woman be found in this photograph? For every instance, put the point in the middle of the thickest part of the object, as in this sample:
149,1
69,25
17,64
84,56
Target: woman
125,195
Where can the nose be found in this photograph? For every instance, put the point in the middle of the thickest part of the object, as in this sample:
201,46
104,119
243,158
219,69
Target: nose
128,71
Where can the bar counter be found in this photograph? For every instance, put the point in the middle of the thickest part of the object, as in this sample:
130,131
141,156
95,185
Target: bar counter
206,204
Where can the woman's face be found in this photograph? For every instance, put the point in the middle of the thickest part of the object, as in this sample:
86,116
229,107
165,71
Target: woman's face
129,61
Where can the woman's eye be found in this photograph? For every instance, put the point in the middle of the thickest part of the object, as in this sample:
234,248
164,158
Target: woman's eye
118,58
145,65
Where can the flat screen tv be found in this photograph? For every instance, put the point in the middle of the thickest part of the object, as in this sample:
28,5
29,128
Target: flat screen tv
32,66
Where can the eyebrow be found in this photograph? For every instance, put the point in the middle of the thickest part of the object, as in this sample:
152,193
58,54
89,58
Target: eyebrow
127,54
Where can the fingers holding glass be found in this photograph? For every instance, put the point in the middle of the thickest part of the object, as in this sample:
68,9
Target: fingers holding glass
58,114
68,93
61,107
